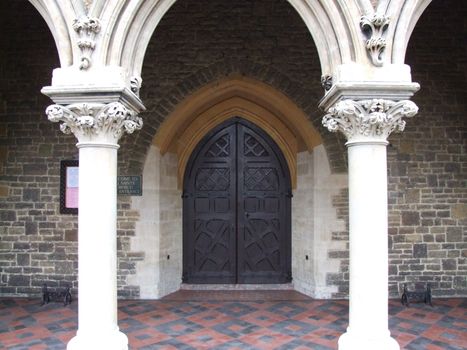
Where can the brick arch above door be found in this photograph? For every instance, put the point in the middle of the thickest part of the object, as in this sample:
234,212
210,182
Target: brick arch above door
255,101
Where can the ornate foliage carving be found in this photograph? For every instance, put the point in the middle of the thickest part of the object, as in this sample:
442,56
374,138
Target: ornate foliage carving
375,118
135,85
86,121
326,82
87,29
374,27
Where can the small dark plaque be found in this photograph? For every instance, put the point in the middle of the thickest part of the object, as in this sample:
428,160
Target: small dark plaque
129,185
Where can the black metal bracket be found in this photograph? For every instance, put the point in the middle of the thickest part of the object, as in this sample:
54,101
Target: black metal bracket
59,296
418,295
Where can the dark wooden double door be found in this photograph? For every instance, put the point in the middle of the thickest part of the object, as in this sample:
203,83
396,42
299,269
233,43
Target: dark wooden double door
236,208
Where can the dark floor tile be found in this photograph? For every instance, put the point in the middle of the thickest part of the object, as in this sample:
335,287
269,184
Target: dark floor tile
235,328
247,323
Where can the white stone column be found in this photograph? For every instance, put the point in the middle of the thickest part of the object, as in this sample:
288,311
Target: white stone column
98,127
366,125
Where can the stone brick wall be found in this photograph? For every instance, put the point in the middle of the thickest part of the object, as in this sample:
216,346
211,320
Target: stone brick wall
341,279
37,243
303,257
316,255
159,230
199,42
428,162
427,167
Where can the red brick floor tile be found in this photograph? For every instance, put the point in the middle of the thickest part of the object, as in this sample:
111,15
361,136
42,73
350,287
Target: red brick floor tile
249,322
204,339
266,339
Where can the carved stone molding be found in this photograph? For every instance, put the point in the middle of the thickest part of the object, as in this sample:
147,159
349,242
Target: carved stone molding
326,82
368,120
95,121
374,27
87,29
87,5
135,85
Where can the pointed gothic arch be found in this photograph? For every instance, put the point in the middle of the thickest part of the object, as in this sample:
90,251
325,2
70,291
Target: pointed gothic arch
331,24
118,44
253,100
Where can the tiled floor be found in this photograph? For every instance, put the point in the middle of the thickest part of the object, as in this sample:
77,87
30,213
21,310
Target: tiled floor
233,320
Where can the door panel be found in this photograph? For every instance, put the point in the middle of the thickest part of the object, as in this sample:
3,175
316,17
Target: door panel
236,209
209,229
263,232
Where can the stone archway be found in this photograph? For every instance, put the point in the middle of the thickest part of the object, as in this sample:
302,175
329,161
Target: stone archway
117,36
314,217
102,47
220,100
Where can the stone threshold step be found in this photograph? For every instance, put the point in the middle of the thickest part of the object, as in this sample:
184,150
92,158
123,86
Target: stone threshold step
239,287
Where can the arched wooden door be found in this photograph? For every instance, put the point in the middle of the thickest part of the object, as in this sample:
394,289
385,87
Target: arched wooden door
236,208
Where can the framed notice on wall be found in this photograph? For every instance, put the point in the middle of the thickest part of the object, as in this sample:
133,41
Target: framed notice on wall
69,186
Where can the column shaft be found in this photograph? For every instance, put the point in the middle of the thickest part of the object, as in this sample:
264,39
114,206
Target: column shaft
367,125
368,309
97,250
98,125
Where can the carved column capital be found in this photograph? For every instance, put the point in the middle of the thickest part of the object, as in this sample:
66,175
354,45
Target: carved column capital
96,123
368,120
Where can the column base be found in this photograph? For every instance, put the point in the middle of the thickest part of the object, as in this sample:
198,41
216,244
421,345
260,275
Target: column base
349,341
95,341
